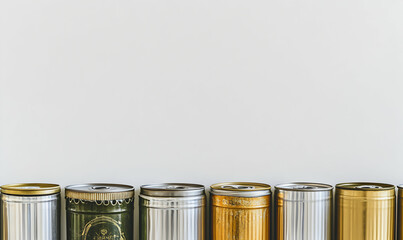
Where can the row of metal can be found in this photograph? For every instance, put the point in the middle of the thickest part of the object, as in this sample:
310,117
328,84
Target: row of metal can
177,211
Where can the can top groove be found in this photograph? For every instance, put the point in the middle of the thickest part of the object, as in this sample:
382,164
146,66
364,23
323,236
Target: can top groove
30,189
304,187
365,186
172,190
100,191
241,189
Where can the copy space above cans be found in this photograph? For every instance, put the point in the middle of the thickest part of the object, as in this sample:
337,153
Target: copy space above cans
177,211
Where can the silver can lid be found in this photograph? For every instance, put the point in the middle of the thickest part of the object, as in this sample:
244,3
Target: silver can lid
100,191
304,187
172,190
241,189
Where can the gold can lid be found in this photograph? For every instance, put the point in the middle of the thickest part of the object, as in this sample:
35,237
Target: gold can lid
241,189
365,186
99,191
30,189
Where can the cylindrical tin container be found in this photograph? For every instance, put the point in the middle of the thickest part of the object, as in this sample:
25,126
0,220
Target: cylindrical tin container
30,211
365,211
240,211
99,212
400,213
172,211
303,211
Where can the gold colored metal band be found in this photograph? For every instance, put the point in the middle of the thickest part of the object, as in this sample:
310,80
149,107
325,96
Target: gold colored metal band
99,196
30,189
240,202
383,194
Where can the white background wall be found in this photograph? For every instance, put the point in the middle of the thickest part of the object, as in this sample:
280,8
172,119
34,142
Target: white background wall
203,91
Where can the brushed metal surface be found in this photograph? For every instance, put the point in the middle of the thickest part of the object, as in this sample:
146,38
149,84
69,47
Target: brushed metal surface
240,218
30,217
366,212
399,225
303,214
172,218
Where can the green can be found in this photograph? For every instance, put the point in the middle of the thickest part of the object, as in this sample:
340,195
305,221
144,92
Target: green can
99,212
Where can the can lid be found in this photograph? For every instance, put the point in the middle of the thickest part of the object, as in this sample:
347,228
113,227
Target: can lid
305,187
241,189
100,191
30,189
400,186
365,186
172,190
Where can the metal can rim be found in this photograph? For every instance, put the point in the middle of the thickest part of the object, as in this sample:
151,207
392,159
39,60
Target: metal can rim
221,190
30,189
172,190
322,187
172,202
99,191
373,186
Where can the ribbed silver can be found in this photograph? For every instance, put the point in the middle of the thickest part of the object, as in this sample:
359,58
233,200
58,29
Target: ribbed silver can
303,211
30,212
172,211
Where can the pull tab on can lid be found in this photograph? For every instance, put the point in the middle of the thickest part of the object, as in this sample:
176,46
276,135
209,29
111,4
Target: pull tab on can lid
172,190
238,187
241,189
368,187
305,187
100,192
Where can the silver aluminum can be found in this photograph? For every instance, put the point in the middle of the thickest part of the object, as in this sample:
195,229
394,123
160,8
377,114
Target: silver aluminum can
303,211
172,211
30,211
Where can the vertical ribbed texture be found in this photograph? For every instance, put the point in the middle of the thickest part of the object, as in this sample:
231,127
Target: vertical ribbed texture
30,218
172,219
170,224
240,218
303,215
240,224
368,217
400,214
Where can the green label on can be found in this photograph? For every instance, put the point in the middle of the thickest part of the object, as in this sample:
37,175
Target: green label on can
103,228
105,220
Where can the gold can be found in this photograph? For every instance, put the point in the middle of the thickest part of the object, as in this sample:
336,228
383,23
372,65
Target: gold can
400,213
240,211
365,211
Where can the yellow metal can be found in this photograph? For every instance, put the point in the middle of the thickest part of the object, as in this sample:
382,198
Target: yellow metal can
400,213
240,211
365,211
